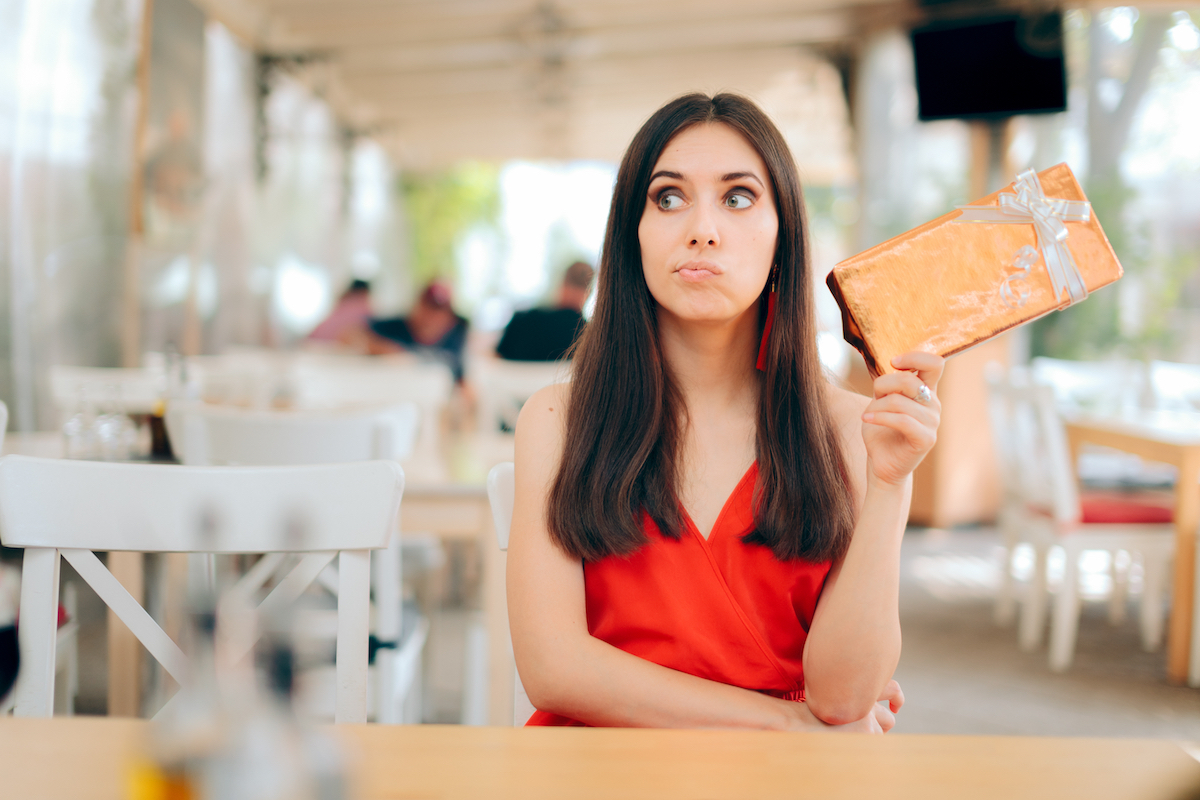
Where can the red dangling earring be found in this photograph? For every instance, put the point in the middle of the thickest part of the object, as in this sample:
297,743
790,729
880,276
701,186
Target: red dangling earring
762,348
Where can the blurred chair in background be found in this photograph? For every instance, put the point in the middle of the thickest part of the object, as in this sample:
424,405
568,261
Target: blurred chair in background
504,386
1046,510
327,384
501,490
238,437
1095,387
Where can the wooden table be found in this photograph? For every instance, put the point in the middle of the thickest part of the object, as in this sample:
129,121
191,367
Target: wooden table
1172,438
85,758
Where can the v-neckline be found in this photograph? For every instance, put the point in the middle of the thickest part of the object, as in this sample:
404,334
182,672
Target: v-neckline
724,507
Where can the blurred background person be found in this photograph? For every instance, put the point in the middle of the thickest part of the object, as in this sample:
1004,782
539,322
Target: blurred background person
431,328
349,317
547,333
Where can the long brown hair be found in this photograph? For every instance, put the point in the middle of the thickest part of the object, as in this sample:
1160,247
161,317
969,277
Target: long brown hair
623,426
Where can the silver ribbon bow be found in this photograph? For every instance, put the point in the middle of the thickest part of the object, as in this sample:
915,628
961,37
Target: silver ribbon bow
1030,205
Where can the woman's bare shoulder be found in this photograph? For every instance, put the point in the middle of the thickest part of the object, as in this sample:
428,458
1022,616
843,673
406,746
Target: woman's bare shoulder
542,425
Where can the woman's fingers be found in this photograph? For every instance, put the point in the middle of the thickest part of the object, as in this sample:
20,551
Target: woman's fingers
927,366
901,404
884,716
893,695
905,383
920,436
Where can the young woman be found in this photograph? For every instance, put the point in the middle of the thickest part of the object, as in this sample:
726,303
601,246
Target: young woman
698,542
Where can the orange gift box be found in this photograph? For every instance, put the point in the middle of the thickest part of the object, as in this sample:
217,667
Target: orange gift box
1014,256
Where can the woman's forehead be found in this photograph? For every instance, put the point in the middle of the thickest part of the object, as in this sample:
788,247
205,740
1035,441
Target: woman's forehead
710,149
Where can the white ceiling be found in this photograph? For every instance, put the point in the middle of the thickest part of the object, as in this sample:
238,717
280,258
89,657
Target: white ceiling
439,80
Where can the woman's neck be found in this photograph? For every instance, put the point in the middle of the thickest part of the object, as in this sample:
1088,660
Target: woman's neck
712,362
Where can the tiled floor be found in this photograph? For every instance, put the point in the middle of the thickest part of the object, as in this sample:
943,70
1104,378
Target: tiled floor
960,672
963,674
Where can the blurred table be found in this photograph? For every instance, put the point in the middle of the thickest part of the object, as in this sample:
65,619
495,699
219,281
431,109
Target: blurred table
1171,438
454,762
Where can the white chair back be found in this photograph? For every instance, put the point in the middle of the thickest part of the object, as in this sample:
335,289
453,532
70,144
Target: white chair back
323,384
504,386
1044,475
1091,386
53,507
133,391
204,434
1176,386
501,489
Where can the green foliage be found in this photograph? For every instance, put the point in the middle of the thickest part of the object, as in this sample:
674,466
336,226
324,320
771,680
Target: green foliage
442,207
1093,330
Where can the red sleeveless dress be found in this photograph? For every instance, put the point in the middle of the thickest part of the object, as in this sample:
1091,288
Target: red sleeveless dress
718,608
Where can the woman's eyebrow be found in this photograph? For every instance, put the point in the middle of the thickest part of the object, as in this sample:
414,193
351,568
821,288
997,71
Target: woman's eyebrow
737,176
666,173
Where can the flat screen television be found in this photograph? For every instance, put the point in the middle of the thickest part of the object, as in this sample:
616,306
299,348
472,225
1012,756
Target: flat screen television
990,68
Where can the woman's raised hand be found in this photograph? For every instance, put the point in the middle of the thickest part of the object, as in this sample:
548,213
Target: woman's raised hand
900,424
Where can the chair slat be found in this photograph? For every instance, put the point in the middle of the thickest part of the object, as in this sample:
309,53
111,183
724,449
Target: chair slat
129,611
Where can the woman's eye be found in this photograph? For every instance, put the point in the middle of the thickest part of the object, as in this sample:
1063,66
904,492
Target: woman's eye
738,201
669,202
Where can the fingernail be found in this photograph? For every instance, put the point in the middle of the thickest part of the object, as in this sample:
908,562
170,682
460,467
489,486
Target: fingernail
868,417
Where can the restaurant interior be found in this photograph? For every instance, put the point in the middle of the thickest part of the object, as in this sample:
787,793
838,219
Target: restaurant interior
241,237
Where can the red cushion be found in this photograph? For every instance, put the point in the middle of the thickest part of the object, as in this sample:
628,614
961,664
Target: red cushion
1115,508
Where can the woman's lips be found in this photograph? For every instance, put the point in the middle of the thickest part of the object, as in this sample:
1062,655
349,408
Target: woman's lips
696,271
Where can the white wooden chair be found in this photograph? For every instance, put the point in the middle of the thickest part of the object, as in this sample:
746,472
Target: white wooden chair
1010,518
216,435
504,386
66,688
501,491
1054,515
53,507
1091,386
135,391
205,434
361,382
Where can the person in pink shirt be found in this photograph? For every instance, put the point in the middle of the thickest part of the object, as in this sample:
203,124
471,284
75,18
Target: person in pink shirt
348,318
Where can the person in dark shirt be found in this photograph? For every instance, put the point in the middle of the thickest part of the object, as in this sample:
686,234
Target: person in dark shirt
431,328
546,334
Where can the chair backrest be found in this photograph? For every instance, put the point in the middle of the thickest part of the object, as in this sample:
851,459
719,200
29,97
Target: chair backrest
204,434
1041,455
1176,386
504,386
329,384
1001,420
134,391
55,507
1091,386
501,488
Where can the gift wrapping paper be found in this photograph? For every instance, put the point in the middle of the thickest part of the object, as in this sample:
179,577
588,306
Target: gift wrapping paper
951,283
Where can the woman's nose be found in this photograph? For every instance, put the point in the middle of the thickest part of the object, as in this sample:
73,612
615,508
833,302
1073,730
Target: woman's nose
704,227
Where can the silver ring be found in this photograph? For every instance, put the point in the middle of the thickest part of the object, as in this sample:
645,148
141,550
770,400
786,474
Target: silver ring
923,394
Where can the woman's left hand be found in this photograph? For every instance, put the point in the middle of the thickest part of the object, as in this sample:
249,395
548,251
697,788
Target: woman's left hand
900,424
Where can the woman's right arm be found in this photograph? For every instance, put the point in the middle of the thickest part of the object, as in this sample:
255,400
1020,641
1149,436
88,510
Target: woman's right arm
564,669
